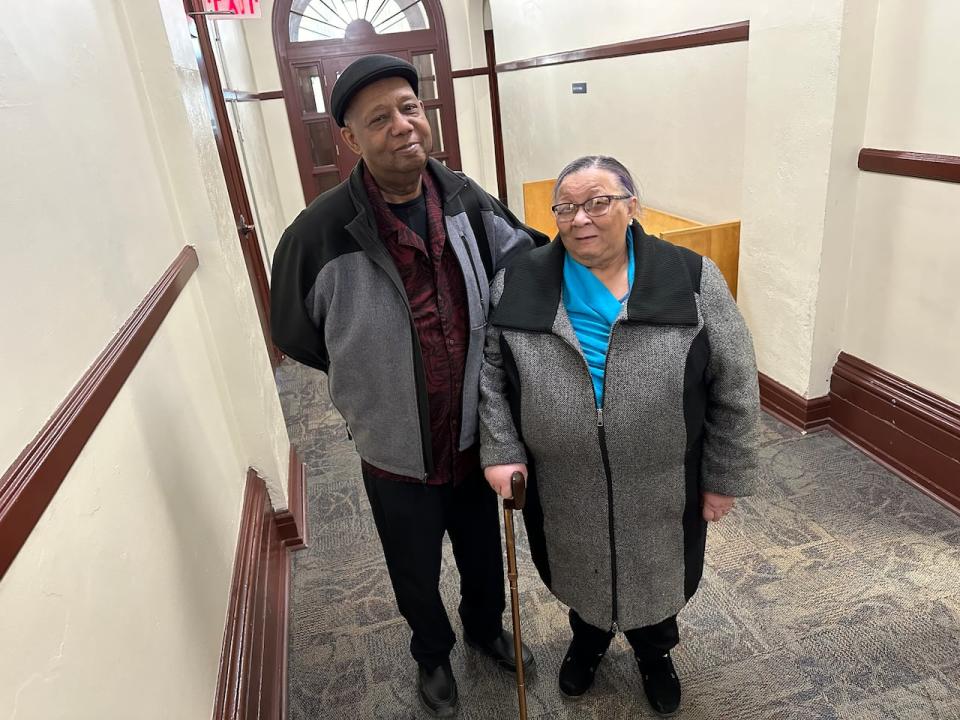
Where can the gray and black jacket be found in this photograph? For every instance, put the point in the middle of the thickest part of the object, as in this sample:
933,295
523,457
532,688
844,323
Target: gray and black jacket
613,511
337,304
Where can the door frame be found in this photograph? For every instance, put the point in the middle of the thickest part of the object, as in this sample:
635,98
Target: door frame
233,173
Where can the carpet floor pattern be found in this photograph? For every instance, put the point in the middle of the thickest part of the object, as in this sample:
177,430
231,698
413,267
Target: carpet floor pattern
832,594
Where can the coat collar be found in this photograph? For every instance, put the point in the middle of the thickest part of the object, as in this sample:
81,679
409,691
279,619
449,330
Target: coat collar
449,184
662,292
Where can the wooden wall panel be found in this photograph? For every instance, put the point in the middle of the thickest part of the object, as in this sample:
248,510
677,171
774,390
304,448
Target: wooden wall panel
656,222
537,201
720,243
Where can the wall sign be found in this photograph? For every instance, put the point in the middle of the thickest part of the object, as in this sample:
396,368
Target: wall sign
238,9
579,88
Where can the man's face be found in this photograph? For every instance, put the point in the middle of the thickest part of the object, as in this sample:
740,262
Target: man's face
386,126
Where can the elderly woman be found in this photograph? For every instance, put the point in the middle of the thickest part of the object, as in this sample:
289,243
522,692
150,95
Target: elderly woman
619,370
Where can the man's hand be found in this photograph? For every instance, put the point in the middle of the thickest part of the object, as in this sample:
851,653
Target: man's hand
499,477
715,506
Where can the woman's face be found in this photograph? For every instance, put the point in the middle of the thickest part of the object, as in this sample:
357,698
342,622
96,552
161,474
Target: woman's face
594,240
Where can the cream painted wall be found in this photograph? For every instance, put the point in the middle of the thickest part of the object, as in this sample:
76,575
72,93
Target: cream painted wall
853,87
902,312
116,603
85,226
266,78
118,598
527,28
475,125
793,140
675,119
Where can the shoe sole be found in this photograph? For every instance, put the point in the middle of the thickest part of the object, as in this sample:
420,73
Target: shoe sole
503,667
444,713
573,698
665,715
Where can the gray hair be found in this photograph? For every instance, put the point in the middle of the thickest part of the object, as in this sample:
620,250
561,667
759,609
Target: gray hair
600,162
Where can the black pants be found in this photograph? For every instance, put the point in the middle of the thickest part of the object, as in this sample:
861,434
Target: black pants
411,519
647,642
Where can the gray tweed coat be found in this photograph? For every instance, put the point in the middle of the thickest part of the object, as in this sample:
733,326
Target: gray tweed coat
613,511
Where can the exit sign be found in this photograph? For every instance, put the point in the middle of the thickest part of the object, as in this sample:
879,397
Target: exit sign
236,8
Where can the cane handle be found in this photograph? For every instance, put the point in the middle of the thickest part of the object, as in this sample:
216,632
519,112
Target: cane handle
518,488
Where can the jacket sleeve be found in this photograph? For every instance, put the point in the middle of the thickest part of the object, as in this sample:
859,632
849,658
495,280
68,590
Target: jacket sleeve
500,442
506,234
294,330
731,427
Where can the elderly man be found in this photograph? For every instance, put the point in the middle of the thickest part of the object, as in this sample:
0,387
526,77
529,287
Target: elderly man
383,284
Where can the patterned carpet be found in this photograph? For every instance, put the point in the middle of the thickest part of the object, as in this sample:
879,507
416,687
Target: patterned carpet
833,594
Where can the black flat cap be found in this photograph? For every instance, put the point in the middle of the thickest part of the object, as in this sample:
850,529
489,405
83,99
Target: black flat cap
363,71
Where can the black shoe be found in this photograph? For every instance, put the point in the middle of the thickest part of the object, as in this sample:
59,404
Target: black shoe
577,671
438,690
501,650
661,684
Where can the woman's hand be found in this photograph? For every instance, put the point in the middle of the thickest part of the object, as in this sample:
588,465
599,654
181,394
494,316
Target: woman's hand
499,477
715,506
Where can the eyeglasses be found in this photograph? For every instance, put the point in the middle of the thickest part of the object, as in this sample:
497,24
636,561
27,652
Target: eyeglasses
594,207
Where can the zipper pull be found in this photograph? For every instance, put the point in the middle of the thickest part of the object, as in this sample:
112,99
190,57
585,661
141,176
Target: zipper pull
599,417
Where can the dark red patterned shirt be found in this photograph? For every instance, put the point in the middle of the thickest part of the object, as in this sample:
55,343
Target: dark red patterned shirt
434,284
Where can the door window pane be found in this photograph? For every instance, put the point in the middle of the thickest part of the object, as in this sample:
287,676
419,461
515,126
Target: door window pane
400,17
321,144
436,127
326,181
311,91
428,76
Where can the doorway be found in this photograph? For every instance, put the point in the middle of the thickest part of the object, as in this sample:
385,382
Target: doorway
316,40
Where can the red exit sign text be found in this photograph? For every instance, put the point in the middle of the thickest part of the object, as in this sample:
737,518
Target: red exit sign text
238,8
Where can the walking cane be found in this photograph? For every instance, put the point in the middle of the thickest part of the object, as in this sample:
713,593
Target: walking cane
518,490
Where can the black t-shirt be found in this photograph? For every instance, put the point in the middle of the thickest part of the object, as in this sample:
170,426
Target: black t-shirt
413,214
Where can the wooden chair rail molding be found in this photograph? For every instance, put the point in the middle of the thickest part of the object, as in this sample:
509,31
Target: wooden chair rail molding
719,242
243,96
911,164
470,72
700,37
28,485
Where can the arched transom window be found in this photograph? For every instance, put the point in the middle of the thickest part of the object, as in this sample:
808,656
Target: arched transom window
343,19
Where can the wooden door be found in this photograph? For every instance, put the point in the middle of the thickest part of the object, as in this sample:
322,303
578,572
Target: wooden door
232,172
312,58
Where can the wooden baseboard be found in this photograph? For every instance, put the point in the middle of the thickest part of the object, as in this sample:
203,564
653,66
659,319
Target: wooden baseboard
793,409
252,681
292,522
914,433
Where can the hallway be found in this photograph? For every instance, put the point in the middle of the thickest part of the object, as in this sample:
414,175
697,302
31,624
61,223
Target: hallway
830,595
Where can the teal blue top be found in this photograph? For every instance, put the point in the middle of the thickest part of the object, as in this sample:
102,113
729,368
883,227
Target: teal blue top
593,309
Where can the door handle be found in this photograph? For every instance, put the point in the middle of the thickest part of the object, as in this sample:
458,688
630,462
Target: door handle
243,227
